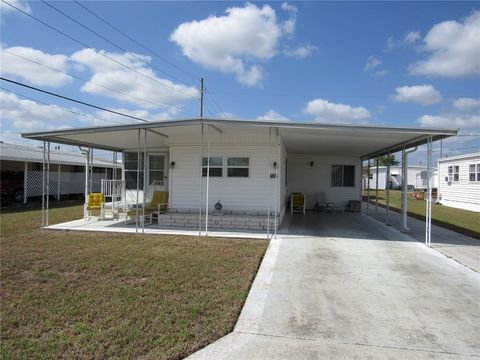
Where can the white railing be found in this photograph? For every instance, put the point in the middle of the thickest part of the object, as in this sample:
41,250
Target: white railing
113,189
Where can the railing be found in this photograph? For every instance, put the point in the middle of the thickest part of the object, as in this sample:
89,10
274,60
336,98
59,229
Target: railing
113,189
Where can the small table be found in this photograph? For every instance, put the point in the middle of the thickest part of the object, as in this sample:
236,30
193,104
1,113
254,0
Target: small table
333,208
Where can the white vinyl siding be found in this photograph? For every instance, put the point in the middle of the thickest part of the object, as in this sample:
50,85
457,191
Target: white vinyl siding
311,180
464,193
255,192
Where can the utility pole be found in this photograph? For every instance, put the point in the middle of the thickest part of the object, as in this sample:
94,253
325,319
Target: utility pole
441,148
201,97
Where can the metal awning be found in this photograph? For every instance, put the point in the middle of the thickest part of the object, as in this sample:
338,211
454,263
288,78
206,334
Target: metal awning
364,141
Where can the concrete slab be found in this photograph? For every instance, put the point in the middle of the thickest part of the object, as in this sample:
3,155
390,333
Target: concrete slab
343,286
462,248
119,226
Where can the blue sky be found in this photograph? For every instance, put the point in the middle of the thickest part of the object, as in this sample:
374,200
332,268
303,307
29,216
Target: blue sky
395,63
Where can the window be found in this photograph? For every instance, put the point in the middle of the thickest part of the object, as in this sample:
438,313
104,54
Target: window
474,172
156,168
453,173
238,167
131,168
343,175
216,167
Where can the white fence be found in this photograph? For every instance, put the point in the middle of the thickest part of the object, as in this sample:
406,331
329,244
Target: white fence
61,183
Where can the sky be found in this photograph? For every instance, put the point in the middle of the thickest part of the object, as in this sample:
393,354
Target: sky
414,64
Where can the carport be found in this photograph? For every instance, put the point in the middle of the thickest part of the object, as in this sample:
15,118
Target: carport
290,153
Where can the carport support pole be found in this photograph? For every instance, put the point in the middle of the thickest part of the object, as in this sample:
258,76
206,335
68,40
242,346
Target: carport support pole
87,167
138,182
59,176
376,191
25,182
387,219
404,193
208,180
144,178
48,182
43,184
91,170
201,186
428,207
368,186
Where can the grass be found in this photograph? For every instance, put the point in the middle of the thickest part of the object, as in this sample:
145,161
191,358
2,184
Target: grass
96,295
462,221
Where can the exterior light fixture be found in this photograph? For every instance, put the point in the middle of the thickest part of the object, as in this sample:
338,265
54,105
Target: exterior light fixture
311,163
172,164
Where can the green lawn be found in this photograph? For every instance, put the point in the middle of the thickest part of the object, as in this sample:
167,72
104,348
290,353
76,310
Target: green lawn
95,295
463,221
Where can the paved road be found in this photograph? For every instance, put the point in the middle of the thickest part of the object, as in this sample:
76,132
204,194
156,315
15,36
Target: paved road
349,287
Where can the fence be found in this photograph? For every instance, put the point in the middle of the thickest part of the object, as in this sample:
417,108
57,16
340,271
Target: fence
61,183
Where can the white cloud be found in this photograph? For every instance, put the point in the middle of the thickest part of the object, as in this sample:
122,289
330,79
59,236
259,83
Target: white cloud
420,94
23,115
272,115
134,88
461,121
226,115
467,104
325,111
454,48
230,43
301,51
27,115
391,44
372,63
288,26
103,116
22,5
380,73
34,73
412,37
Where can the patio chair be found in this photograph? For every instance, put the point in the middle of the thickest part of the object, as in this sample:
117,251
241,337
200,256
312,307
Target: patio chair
158,205
321,202
95,202
297,202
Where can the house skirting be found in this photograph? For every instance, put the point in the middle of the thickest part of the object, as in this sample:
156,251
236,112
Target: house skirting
227,220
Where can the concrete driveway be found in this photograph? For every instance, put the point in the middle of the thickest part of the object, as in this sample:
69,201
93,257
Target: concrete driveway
345,286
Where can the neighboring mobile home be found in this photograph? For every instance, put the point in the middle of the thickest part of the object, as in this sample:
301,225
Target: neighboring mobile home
459,181
253,166
21,173
416,177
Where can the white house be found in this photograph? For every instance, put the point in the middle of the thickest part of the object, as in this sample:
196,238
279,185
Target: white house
459,181
253,166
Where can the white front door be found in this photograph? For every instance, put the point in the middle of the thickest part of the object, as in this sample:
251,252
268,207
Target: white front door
157,172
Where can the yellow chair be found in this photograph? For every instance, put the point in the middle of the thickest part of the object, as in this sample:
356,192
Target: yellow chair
297,202
158,205
95,202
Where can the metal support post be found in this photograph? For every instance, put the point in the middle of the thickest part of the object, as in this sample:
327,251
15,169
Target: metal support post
388,182
25,182
368,187
48,182
43,182
208,181
59,177
144,178
376,190
428,207
91,170
138,182
201,186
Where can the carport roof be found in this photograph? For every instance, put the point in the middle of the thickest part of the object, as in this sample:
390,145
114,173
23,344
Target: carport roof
365,141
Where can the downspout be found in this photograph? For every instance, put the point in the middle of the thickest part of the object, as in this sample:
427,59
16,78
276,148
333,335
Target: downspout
404,187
